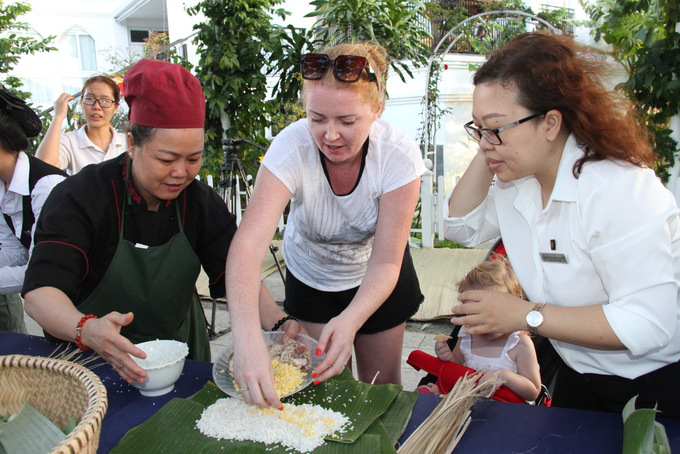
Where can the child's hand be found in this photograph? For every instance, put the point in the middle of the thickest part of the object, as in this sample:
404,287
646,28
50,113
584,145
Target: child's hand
441,347
492,375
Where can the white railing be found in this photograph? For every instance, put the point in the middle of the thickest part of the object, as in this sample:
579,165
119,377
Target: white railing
431,201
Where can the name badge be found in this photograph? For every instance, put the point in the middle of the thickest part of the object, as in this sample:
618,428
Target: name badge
553,257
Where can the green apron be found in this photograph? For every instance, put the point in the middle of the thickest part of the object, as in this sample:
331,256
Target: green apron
158,285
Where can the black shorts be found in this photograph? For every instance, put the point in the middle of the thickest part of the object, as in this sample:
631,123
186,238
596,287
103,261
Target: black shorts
316,306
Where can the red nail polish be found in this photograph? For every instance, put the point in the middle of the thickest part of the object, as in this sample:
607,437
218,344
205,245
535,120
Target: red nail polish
314,375
318,352
281,409
316,382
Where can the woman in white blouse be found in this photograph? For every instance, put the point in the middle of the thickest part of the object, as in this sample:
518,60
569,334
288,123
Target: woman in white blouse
591,232
96,140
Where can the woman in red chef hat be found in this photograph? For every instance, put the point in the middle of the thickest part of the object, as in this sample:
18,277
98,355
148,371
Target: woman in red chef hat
120,244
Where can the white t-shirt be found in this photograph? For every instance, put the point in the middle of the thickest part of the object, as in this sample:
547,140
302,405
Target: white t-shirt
76,150
329,238
618,228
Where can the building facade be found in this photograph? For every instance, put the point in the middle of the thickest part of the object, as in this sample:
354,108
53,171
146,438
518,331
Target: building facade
101,36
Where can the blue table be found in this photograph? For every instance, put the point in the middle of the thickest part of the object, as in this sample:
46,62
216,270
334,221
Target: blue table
496,427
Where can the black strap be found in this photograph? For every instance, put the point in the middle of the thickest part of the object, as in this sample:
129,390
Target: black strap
38,170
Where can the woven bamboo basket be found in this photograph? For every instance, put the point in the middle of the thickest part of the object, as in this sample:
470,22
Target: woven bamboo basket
59,390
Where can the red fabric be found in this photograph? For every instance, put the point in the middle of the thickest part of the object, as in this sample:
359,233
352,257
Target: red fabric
499,251
164,95
448,373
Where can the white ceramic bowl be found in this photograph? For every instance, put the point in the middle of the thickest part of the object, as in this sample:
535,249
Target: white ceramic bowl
225,382
163,365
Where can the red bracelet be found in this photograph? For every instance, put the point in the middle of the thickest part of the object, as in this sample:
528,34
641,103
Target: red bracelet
79,327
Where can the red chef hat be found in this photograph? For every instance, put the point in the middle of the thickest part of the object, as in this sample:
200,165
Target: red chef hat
163,95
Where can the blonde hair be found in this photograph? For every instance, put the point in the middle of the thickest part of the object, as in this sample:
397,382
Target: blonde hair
369,92
497,273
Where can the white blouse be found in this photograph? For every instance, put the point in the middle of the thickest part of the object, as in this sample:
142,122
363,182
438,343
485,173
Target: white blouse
617,228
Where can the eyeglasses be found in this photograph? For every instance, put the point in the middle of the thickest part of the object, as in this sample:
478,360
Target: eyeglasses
105,103
493,135
346,68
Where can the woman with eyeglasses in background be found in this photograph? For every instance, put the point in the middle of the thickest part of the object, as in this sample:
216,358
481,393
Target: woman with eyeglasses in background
353,182
96,140
591,232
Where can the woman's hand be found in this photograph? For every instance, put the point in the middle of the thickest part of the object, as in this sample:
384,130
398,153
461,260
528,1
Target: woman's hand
292,328
444,353
337,342
487,311
493,375
61,105
254,375
103,336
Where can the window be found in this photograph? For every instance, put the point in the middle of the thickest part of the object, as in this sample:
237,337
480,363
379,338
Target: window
80,47
138,36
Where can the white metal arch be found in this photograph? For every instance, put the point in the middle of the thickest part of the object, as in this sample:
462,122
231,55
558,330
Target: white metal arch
436,54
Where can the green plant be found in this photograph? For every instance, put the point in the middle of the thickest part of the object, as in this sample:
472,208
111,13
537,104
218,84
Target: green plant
234,42
284,59
641,432
434,110
444,243
643,38
13,45
501,21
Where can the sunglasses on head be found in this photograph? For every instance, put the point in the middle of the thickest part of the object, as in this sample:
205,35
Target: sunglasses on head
346,68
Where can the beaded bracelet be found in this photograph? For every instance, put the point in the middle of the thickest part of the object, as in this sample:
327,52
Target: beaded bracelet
79,327
282,321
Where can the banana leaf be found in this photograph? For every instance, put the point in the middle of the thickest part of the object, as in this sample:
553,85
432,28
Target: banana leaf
29,432
378,429
642,434
173,428
397,416
361,402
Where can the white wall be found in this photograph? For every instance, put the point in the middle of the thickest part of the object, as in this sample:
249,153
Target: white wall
55,71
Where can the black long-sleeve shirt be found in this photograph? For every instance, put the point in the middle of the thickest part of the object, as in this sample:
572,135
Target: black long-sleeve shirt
78,230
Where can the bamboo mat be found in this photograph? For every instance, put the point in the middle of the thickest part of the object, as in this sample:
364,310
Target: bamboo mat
438,272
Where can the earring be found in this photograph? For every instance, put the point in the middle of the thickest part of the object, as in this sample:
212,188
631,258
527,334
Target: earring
130,154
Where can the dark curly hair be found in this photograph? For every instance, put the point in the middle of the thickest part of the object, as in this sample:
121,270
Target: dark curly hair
554,72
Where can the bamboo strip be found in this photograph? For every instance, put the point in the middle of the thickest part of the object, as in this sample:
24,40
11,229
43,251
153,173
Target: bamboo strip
443,429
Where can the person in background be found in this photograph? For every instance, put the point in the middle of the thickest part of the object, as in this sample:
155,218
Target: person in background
353,181
96,140
513,354
25,183
590,230
120,268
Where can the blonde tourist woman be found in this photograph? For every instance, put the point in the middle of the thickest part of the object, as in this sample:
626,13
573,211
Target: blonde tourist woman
352,180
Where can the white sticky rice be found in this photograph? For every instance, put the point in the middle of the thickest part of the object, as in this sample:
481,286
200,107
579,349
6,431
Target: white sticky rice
300,427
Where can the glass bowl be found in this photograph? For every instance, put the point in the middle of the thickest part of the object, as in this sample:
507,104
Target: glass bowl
225,381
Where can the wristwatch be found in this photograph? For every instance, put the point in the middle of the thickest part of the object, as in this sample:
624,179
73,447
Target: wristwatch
535,318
